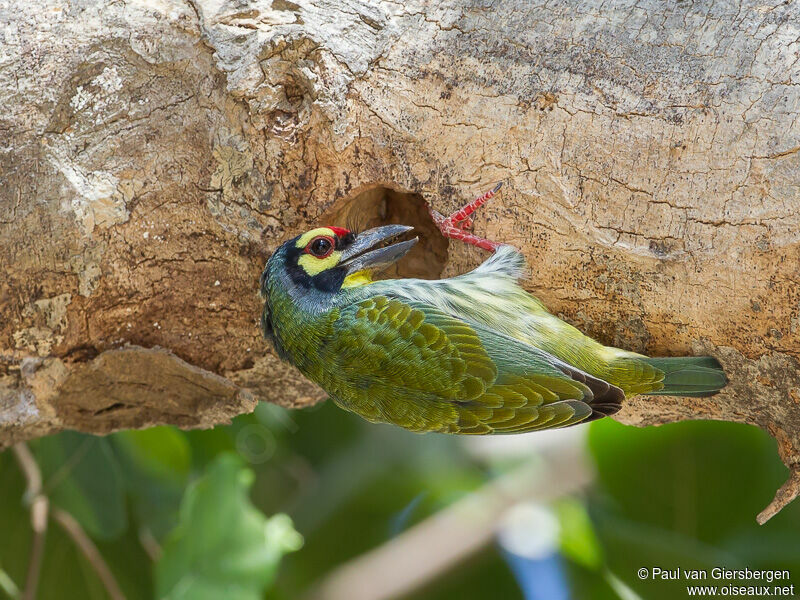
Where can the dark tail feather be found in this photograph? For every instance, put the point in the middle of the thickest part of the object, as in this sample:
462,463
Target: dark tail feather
692,376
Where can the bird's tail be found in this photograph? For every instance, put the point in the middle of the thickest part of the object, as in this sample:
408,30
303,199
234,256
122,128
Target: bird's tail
694,376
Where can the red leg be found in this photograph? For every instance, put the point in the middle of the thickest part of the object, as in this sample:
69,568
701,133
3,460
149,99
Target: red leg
455,225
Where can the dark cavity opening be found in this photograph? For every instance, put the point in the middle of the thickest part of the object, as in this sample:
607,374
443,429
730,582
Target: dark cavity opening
381,205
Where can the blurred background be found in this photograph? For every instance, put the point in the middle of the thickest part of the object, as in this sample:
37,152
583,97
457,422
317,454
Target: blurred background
317,504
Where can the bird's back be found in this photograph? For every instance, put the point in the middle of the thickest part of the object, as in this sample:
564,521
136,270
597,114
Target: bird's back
490,296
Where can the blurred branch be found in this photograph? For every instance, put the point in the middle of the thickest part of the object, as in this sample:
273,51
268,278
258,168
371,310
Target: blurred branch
39,508
39,504
66,468
150,544
422,553
788,492
90,551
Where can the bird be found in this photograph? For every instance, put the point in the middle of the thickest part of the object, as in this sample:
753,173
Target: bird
471,354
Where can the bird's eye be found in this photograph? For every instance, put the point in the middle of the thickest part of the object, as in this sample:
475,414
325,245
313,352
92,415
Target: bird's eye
321,247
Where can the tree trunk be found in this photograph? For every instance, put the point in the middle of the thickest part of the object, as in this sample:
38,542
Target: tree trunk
153,154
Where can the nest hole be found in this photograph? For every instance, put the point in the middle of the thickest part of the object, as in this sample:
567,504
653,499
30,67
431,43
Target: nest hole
380,205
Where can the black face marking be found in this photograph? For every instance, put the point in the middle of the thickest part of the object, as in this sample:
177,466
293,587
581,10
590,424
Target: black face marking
345,240
329,280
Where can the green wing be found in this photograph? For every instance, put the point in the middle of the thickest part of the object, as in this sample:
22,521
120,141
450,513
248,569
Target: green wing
410,364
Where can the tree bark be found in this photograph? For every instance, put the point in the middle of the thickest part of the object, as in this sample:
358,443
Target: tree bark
153,154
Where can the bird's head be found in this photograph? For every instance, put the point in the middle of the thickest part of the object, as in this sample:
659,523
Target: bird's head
316,265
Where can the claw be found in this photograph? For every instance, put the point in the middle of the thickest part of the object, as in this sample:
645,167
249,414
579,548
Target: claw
465,224
455,225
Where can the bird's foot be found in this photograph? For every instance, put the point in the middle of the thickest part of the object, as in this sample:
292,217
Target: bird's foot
455,226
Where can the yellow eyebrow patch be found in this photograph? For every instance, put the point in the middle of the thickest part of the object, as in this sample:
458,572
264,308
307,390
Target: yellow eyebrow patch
303,240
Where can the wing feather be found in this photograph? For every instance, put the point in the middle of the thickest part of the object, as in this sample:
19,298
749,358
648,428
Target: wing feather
411,364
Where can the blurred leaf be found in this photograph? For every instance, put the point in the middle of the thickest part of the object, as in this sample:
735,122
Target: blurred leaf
621,588
631,545
703,479
223,547
275,417
686,495
367,474
578,540
66,574
207,444
7,584
81,476
158,463
131,566
767,548
588,583
161,452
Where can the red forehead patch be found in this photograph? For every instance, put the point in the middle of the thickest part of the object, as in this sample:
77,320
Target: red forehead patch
339,231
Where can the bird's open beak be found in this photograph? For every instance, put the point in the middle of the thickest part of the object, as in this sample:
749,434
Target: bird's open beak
359,256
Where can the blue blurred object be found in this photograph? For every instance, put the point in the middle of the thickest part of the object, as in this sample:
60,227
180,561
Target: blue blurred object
400,521
539,578
529,537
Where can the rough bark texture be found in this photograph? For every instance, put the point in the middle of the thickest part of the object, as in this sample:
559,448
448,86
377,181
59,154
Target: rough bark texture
153,154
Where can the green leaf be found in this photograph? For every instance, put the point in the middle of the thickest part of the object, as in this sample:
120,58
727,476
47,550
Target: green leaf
82,476
161,452
7,585
686,495
578,540
620,587
705,480
65,573
223,547
631,545
156,463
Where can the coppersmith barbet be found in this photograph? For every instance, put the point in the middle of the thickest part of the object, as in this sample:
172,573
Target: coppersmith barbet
470,354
